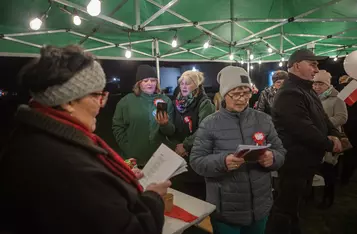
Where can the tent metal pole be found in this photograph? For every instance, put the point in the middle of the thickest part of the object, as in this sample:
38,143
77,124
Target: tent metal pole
137,13
171,26
22,42
189,21
181,48
158,13
232,24
34,33
157,56
92,38
303,35
328,45
217,48
200,55
288,40
100,48
103,17
289,20
136,42
337,49
172,54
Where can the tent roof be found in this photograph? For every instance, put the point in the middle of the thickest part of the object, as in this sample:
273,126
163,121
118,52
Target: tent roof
232,26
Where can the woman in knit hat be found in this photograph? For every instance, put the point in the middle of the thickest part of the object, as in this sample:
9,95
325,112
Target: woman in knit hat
56,175
192,105
266,98
336,110
139,129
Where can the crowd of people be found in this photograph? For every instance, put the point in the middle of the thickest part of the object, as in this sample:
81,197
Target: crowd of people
57,176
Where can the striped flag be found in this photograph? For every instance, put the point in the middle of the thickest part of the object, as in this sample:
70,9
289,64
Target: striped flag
349,93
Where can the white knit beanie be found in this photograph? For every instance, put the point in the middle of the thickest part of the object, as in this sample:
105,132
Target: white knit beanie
232,77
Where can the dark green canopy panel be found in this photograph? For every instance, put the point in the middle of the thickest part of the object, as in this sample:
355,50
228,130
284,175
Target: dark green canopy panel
268,30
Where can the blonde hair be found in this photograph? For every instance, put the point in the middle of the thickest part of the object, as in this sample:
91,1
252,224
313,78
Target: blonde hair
137,90
195,77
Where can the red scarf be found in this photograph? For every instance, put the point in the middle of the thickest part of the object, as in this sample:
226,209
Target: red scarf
112,161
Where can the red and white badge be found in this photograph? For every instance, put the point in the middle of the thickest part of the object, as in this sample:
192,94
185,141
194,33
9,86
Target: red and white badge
259,138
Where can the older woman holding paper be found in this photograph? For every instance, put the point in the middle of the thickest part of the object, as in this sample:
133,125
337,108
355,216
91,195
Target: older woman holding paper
240,190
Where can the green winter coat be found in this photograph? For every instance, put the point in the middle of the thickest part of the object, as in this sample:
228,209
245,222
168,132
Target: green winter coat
135,128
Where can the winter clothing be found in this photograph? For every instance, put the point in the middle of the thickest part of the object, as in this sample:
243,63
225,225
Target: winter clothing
194,76
336,110
217,100
242,196
135,128
266,99
231,77
304,54
57,182
86,81
186,124
324,77
303,126
145,71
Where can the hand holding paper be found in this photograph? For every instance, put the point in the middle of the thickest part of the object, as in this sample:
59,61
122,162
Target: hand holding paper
267,159
233,162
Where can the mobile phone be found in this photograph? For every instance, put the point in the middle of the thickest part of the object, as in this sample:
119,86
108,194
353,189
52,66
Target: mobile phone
161,107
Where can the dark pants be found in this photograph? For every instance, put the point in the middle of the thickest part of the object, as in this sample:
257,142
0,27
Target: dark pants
329,172
349,163
284,218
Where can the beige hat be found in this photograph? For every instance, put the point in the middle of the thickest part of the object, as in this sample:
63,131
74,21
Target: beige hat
324,77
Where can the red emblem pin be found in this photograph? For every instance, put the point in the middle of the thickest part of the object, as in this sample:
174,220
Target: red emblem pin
259,138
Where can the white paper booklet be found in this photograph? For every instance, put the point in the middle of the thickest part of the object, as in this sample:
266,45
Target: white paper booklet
163,165
251,152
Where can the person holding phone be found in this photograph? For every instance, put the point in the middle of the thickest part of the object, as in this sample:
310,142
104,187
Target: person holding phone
192,105
143,119
240,190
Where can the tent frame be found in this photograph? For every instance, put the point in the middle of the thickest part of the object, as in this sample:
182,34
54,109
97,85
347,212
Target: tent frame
233,46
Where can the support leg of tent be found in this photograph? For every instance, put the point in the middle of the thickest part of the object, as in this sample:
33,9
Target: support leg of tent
157,50
248,61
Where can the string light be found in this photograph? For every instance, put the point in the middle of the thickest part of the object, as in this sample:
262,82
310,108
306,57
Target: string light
94,7
174,42
260,61
282,59
251,67
335,59
77,20
280,64
128,53
231,56
206,45
251,56
242,62
270,50
35,24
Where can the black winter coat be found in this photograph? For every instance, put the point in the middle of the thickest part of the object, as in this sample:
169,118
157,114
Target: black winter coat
302,125
52,182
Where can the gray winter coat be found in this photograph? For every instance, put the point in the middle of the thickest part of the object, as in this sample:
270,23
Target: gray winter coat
244,195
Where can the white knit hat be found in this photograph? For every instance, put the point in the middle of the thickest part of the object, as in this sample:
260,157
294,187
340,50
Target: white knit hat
232,77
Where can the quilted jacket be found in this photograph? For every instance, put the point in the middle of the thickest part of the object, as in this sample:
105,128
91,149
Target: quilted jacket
244,195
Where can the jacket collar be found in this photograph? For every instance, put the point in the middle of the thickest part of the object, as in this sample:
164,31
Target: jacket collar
306,84
27,116
242,114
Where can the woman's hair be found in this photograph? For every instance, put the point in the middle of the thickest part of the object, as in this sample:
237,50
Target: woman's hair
195,77
55,67
280,75
137,90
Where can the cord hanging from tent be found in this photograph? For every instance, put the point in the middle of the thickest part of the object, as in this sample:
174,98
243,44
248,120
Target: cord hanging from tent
36,23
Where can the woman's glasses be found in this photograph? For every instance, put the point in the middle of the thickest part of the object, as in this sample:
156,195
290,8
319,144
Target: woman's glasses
236,96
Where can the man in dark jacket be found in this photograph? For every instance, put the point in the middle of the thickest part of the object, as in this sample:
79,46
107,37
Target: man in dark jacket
266,97
306,133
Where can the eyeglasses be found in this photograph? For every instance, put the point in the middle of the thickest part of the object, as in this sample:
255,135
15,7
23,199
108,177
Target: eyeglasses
236,96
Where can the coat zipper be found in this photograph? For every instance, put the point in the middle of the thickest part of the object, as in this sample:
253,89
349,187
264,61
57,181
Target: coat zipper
250,183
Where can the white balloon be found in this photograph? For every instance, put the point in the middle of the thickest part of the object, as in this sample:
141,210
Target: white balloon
350,64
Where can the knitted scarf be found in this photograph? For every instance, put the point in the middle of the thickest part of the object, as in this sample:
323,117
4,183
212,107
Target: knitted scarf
112,160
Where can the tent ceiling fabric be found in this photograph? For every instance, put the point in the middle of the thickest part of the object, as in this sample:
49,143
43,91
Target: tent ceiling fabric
232,26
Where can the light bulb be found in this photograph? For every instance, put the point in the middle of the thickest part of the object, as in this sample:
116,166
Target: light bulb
128,53
242,62
35,24
282,59
270,50
94,7
251,67
194,69
280,64
260,61
174,42
206,45
77,20
335,59
231,56
251,56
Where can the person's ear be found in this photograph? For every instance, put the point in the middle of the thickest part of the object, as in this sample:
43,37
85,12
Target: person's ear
68,107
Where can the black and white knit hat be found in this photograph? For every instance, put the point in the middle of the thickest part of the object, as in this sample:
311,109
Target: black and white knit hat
86,81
